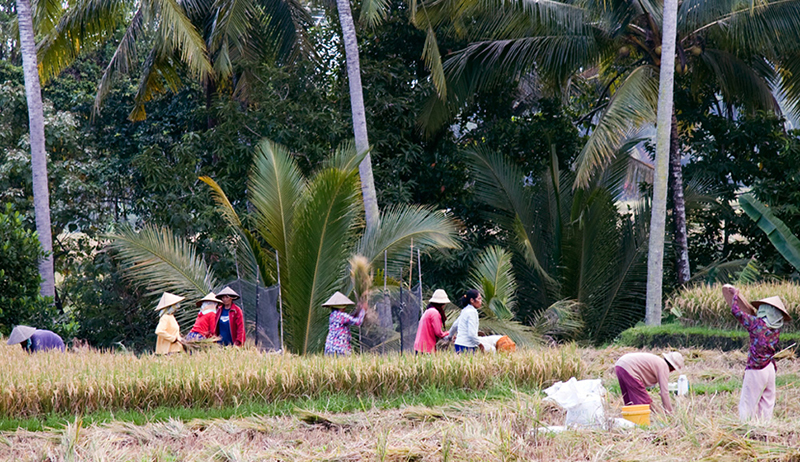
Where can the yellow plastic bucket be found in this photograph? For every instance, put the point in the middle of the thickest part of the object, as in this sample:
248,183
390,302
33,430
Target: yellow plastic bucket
638,414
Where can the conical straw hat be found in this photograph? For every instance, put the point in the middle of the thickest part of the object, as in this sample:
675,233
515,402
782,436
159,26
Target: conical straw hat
674,358
727,293
338,299
777,303
439,296
168,299
208,298
20,334
229,292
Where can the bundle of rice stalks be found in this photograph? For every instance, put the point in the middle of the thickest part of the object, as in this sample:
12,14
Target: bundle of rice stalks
361,276
200,344
786,353
313,418
423,414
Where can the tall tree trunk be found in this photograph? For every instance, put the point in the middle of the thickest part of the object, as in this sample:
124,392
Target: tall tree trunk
41,194
655,255
357,108
679,205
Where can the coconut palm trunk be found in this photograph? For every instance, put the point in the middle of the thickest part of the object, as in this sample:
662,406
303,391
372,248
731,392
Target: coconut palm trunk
41,194
655,256
358,111
678,205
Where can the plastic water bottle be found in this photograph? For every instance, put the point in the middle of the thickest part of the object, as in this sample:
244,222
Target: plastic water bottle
683,385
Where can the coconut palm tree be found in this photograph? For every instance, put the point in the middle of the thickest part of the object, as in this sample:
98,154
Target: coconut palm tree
41,191
744,47
572,247
313,223
216,42
357,109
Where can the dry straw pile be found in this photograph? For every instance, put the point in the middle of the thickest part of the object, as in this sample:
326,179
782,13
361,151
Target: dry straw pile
85,381
703,305
704,427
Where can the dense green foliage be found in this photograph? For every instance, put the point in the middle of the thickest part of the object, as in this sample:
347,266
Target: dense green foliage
106,172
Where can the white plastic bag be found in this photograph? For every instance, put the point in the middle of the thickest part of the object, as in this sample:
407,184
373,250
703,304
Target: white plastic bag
583,401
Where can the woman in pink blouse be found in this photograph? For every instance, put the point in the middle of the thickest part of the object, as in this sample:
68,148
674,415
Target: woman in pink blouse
430,326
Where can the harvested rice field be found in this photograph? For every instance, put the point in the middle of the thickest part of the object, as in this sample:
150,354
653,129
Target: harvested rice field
704,427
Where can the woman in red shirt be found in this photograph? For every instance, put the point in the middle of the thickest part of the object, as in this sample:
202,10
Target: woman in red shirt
207,317
430,326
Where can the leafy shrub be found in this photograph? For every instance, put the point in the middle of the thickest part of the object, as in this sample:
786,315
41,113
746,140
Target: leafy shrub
676,336
20,302
703,305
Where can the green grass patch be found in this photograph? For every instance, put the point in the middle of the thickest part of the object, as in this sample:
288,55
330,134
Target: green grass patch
328,403
677,336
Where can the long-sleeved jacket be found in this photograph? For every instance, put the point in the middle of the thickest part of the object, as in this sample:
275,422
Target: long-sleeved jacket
168,334
205,324
429,331
237,324
43,340
650,370
467,328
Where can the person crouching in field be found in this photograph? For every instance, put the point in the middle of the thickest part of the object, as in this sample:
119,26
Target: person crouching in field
430,330
204,325
638,371
339,322
763,320
168,332
33,339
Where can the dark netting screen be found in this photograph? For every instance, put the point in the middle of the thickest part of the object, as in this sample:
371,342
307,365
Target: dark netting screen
392,326
260,306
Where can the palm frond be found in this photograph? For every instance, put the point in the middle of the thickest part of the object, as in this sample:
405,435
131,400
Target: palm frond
276,186
433,60
741,81
493,274
398,225
373,12
157,71
159,261
124,58
179,35
322,228
85,23
500,184
560,321
254,260
231,29
632,105
789,82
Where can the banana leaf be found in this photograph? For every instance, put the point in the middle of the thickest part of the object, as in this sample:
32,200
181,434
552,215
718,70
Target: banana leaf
778,233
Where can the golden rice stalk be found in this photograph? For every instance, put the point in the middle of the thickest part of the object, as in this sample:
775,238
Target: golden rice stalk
361,276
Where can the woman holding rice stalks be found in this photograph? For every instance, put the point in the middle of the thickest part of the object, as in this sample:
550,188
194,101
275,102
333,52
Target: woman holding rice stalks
466,326
168,331
430,325
763,320
339,322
